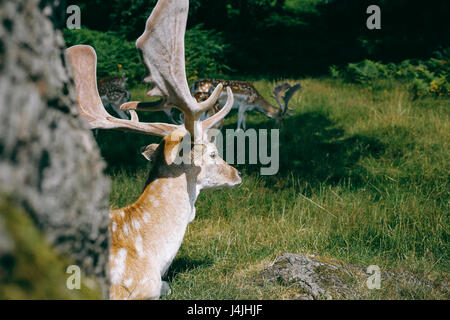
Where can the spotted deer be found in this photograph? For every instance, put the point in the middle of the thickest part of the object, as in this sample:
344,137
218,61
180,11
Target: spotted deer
146,235
246,98
113,93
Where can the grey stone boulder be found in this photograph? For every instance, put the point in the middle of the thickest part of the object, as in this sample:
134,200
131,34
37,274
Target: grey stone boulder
315,278
326,278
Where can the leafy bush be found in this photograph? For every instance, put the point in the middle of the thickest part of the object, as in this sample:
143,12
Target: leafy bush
115,55
365,71
431,79
205,51
427,78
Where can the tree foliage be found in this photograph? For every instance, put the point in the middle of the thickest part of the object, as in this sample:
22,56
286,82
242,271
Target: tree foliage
205,53
424,77
295,37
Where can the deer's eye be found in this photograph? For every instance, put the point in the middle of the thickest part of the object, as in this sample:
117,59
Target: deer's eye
213,155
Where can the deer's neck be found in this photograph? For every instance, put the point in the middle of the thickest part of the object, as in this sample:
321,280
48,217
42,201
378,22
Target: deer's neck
172,198
265,107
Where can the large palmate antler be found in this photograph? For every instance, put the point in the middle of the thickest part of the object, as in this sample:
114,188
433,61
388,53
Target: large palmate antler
162,50
288,92
90,106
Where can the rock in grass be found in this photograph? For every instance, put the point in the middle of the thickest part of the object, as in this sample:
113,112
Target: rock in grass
321,278
316,279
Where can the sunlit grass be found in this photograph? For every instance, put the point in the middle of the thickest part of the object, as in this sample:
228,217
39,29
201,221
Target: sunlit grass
364,178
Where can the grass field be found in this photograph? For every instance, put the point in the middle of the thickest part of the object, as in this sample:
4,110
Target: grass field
364,178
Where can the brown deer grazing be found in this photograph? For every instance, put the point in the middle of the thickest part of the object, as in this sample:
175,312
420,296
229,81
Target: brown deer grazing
147,234
246,98
114,93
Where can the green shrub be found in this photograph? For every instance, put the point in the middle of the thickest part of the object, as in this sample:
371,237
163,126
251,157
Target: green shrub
205,51
365,71
430,78
426,78
115,55
334,72
438,86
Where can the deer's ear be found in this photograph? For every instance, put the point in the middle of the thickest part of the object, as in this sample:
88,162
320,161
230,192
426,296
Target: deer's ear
149,151
171,145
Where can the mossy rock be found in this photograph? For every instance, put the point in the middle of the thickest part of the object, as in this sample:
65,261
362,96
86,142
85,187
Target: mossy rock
327,278
29,267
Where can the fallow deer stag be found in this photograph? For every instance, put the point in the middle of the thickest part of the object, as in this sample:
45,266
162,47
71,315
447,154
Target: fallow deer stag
114,93
146,235
247,98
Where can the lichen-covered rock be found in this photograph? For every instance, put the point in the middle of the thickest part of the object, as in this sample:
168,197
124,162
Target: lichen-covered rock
317,279
49,162
321,278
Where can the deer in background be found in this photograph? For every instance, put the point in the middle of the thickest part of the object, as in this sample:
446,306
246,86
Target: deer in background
113,93
146,235
247,98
